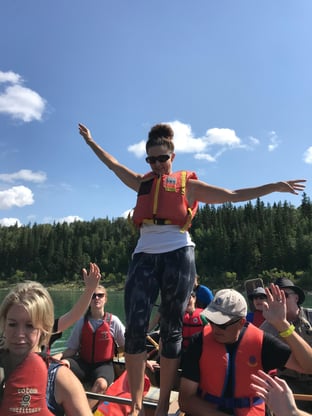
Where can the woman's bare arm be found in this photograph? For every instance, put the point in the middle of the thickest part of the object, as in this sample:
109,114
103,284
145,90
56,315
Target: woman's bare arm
126,175
209,194
70,394
91,280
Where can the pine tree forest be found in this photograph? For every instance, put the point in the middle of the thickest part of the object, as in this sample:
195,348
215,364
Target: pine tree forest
233,243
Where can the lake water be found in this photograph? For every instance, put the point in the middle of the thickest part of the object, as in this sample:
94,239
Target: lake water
64,300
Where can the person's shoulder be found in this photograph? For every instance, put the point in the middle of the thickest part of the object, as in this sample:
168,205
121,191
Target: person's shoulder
116,319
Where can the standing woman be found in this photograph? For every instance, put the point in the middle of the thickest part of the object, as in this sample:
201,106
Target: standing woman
163,259
26,321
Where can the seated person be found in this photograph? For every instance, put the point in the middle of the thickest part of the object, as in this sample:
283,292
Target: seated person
257,297
203,294
91,345
26,320
219,361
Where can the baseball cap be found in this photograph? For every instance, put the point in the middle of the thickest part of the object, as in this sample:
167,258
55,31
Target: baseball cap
203,296
284,283
258,291
226,305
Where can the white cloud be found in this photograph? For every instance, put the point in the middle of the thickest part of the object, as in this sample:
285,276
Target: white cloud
18,101
69,219
254,141
307,156
8,222
138,149
10,76
205,156
18,196
274,141
24,175
208,147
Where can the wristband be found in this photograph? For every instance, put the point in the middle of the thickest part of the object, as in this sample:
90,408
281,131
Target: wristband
287,332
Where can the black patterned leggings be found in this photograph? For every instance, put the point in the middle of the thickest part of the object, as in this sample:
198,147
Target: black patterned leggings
172,274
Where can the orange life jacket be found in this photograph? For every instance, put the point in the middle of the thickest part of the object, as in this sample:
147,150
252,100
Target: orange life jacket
25,388
192,324
215,363
162,200
97,346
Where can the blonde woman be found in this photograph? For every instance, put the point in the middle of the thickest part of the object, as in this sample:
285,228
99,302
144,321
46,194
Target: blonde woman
26,321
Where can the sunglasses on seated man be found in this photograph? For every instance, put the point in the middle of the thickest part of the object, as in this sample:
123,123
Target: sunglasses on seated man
154,159
224,326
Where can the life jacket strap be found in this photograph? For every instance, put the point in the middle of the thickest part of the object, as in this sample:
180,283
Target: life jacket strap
232,402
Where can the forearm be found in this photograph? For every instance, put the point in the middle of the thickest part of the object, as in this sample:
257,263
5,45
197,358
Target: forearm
301,350
79,308
246,194
68,353
127,176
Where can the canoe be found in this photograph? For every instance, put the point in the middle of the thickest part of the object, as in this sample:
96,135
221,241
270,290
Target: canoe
149,402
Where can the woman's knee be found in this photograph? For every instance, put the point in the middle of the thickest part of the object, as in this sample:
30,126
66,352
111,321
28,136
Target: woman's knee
100,385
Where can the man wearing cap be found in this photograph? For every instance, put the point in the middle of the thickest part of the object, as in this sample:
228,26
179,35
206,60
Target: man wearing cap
218,364
301,318
257,297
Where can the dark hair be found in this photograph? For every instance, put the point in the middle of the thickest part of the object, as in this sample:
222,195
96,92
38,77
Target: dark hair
160,134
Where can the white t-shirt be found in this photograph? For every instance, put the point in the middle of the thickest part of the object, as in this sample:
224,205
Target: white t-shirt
155,239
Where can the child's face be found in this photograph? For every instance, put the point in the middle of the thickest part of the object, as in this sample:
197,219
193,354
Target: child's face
21,336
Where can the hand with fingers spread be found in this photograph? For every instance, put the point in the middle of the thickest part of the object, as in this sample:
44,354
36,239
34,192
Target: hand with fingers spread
92,279
294,186
276,393
274,309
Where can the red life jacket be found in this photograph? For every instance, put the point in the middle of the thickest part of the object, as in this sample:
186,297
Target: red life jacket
192,324
258,318
25,388
97,346
120,388
162,200
215,363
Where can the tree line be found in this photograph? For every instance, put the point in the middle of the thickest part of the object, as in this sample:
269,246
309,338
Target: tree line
233,244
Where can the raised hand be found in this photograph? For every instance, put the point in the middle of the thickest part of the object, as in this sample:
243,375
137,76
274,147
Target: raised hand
85,132
294,187
274,309
92,278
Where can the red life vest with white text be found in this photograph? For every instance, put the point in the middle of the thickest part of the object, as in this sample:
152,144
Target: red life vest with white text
25,388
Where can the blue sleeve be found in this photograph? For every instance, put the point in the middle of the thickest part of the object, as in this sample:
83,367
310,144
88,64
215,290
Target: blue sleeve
250,317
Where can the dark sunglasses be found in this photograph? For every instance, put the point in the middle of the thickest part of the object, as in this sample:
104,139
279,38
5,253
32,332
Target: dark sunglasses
154,159
98,295
224,326
259,297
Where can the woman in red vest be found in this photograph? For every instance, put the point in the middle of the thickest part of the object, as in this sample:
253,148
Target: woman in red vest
91,345
26,321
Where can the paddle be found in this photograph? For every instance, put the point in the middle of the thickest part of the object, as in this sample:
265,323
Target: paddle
307,397
153,342
116,399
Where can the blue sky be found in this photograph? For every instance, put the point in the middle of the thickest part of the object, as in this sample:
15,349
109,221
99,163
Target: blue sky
233,78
